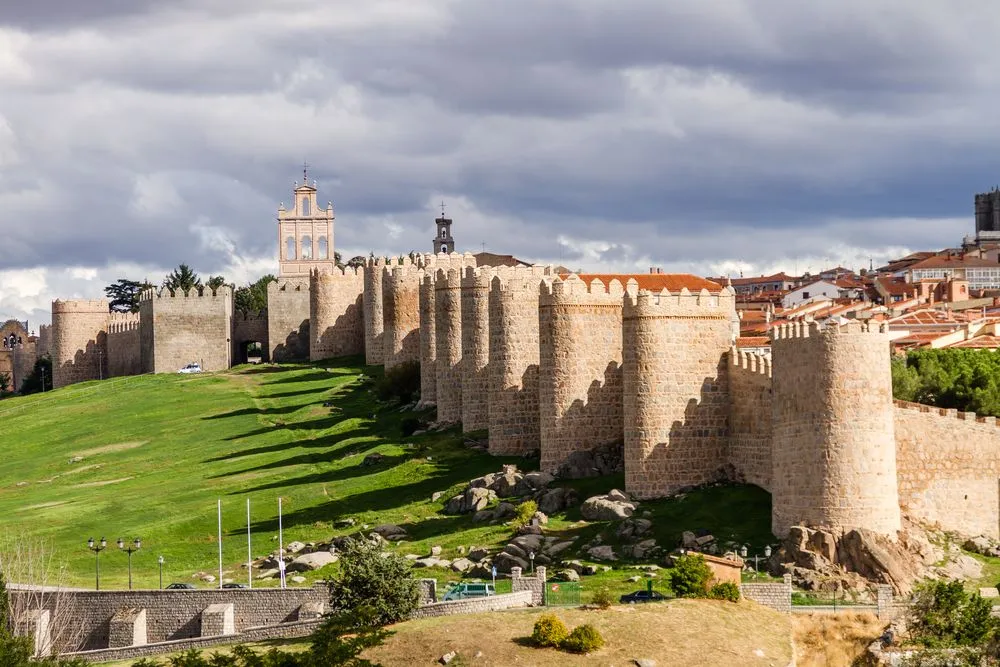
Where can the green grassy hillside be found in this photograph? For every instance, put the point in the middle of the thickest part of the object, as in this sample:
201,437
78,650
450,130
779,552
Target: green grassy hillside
149,456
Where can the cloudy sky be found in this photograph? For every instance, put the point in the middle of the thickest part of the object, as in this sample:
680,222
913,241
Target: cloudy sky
709,137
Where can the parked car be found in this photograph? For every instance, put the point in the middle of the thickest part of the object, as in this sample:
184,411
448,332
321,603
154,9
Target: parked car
642,596
463,590
181,587
191,368
234,585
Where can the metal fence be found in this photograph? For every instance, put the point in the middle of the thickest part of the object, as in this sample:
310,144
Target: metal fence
562,593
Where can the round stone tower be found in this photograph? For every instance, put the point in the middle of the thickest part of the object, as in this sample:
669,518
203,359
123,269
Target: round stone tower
513,366
448,340
79,341
675,380
475,348
372,304
401,314
428,344
834,449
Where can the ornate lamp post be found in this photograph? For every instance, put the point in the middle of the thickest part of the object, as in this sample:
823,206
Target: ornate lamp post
160,562
531,557
97,549
130,549
756,558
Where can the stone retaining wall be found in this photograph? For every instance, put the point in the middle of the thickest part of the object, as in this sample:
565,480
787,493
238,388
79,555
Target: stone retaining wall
776,596
476,605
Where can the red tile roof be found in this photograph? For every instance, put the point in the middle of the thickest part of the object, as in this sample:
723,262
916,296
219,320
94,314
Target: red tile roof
925,317
773,278
753,341
985,341
949,262
654,282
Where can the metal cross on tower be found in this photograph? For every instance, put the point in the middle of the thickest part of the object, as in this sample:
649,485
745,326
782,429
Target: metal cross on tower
305,172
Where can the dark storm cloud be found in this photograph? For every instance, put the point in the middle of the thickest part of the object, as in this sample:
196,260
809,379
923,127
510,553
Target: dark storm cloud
599,132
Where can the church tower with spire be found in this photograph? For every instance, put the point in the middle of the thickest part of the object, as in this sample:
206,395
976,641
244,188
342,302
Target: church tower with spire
305,232
443,242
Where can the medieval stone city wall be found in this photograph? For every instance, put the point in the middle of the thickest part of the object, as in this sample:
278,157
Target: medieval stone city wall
514,424
186,328
336,321
372,305
448,340
580,378
750,431
948,464
675,383
475,300
79,346
834,451
44,344
288,319
428,341
124,347
401,312
249,328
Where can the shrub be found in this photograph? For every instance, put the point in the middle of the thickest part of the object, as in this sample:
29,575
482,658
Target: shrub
367,579
549,631
584,639
525,511
603,598
401,382
943,615
725,591
690,576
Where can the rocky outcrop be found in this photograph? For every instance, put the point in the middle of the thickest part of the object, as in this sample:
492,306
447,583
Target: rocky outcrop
472,500
605,460
613,506
517,553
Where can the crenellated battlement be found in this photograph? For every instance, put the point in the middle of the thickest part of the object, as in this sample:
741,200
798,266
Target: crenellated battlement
91,306
750,362
448,279
811,329
198,292
571,290
123,322
337,272
947,413
683,304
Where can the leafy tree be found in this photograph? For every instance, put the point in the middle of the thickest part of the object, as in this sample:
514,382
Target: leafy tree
252,298
367,579
944,615
40,377
4,383
905,380
356,262
966,380
215,282
182,279
690,576
337,259
123,295
524,513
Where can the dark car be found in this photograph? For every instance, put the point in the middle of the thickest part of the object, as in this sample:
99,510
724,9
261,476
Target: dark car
181,587
642,596
234,585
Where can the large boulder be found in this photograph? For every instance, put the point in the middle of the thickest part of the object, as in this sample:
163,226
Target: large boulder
604,460
603,552
390,532
472,500
313,561
532,482
557,500
610,507
633,529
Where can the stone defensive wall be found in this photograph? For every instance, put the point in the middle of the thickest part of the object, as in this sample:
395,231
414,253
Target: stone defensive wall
475,298
428,341
44,344
675,380
171,615
448,342
123,346
750,430
249,328
580,376
372,308
834,450
179,328
79,345
401,312
948,463
288,319
336,320
514,424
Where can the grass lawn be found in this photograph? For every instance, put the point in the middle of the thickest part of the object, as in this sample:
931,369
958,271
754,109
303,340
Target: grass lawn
149,456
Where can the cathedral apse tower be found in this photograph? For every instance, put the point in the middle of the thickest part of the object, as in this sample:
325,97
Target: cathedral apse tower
305,233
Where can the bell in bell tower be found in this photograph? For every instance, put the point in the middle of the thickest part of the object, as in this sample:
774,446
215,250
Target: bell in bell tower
443,242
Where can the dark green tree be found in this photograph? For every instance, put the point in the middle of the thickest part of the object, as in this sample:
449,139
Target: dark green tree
215,282
356,262
182,279
40,377
252,298
123,295
4,383
369,579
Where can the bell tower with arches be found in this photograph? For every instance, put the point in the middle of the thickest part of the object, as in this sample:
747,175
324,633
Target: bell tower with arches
305,233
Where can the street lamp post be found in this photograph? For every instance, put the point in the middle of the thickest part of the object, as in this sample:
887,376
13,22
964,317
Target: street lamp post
756,558
130,549
160,561
531,557
97,549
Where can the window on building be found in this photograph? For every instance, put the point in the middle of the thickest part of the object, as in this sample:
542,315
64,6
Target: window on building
322,251
444,233
805,295
306,206
290,248
307,247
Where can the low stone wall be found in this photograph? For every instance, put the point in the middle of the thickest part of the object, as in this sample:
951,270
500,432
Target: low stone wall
174,615
282,631
476,605
776,596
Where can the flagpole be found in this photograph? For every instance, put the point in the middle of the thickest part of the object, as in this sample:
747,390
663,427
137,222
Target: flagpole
220,543
249,549
281,547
